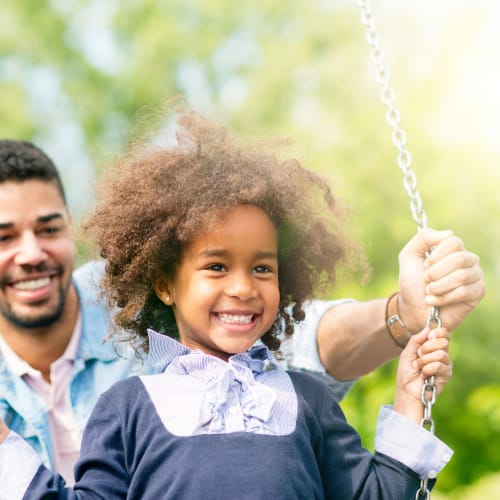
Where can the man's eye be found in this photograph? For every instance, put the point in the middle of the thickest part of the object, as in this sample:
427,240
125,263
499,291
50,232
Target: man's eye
5,238
51,230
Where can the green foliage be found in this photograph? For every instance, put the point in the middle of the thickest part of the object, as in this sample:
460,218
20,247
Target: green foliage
297,69
13,105
486,487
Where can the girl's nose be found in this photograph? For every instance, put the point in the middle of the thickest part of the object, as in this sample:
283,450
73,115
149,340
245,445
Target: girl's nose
241,286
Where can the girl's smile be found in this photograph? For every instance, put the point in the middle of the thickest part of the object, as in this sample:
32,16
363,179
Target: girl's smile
235,319
225,292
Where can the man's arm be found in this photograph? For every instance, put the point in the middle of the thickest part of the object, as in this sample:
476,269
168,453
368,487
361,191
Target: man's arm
353,338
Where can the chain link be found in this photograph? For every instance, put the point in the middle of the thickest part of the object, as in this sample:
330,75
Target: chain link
392,115
399,138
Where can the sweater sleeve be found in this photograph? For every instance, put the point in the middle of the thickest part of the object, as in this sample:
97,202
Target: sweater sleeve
100,472
348,469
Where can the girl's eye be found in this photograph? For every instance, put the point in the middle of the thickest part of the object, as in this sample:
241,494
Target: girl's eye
216,267
263,269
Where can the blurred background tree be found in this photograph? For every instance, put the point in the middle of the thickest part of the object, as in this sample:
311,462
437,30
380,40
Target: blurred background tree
75,75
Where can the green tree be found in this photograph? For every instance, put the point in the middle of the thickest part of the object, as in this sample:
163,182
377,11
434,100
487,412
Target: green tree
77,75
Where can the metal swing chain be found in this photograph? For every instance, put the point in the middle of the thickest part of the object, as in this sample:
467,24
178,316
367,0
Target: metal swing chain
393,118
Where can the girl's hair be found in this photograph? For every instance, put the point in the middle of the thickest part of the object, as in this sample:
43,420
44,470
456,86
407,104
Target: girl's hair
160,197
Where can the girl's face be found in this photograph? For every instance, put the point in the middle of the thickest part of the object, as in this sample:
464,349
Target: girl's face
225,292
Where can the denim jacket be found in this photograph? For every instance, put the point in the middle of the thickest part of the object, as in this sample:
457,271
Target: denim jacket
97,366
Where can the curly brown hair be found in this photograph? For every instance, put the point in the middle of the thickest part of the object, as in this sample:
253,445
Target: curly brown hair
159,197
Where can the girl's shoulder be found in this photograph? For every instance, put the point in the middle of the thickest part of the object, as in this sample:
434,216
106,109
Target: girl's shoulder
127,388
312,387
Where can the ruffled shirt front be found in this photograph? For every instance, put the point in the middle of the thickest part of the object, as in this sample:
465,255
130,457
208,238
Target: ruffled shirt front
208,395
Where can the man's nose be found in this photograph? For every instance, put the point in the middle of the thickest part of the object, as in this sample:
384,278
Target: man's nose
30,251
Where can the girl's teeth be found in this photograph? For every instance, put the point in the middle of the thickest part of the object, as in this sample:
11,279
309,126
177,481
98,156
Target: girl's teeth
236,319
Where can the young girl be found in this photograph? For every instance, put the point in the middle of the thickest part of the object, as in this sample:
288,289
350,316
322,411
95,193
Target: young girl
213,245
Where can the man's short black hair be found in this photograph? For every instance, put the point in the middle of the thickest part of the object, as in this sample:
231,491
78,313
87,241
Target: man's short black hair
22,161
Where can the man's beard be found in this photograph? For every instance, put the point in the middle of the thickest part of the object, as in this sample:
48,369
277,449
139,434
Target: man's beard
42,321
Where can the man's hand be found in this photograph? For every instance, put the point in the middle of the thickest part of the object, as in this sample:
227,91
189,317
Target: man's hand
450,277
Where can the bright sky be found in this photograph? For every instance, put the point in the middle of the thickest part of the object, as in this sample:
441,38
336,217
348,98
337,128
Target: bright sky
457,42
453,42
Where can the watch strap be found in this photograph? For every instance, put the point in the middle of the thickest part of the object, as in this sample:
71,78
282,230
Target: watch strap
395,325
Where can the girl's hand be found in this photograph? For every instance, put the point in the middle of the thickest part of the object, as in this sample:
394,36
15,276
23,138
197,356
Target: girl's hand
425,355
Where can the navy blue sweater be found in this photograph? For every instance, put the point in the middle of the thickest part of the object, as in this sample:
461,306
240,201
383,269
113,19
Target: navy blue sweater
128,453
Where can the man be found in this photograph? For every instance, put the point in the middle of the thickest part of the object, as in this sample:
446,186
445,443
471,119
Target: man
54,364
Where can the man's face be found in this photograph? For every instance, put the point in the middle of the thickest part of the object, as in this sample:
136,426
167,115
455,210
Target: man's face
37,253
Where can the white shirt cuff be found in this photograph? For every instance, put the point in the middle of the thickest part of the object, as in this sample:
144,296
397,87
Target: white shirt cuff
404,440
19,463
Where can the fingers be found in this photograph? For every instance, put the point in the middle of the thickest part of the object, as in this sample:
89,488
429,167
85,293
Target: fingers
427,335
447,293
437,266
452,274
410,356
450,277
433,358
447,245
425,240
437,338
455,278
427,346
441,370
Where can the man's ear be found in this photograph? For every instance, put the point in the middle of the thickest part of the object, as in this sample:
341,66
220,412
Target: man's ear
162,291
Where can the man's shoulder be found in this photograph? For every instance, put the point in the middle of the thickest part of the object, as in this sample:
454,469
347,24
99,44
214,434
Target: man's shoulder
94,312
87,278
